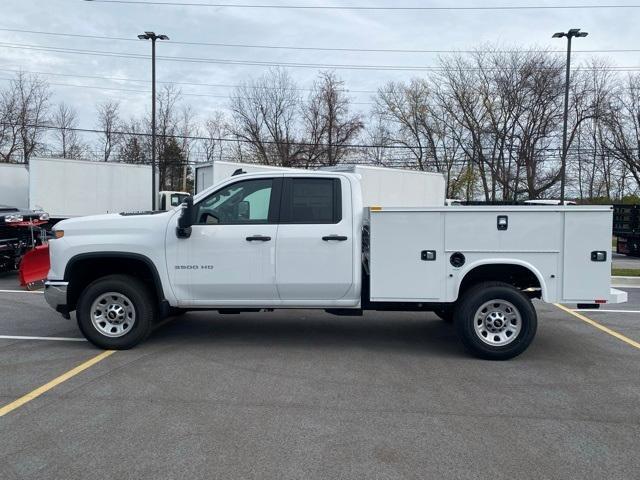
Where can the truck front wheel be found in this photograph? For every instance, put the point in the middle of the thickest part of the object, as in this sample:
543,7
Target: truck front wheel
116,312
495,321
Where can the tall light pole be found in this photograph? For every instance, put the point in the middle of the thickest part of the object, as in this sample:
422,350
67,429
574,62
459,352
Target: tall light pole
574,32
153,37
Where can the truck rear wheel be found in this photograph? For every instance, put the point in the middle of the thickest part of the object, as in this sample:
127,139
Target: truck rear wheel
116,312
495,321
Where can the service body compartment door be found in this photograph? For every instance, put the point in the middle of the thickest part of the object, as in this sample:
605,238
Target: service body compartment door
586,232
407,262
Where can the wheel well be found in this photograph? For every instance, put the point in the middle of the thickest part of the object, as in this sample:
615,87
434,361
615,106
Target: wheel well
83,270
516,275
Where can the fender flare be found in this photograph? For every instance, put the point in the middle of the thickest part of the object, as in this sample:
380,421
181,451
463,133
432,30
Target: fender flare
157,283
502,261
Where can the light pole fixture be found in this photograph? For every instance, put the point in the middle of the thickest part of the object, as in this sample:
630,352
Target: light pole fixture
153,37
574,32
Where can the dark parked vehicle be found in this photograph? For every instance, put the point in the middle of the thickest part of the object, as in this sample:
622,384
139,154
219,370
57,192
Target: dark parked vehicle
626,227
20,231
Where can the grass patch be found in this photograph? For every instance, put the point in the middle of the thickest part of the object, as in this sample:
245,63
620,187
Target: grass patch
625,272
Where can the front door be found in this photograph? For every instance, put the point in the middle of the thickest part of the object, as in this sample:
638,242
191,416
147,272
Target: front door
230,257
314,253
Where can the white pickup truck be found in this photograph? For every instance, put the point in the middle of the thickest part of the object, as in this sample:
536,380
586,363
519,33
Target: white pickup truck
305,240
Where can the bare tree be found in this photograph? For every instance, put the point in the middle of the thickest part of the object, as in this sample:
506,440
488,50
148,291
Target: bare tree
214,129
133,147
505,109
170,163
405,107
415,119
265,114
9,127
378,140
65,121
24,107
34,103
623,126
108,121
330,127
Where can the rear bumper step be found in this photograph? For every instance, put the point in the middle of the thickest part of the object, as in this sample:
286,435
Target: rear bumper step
616,296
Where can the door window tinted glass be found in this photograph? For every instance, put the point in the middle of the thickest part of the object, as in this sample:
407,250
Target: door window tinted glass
315,200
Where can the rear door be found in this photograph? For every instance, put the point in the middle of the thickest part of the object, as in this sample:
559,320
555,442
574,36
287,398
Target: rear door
314,251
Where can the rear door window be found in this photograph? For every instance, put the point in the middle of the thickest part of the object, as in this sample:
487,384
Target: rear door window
312,201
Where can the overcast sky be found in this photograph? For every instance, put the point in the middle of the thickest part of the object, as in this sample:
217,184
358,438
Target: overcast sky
435,30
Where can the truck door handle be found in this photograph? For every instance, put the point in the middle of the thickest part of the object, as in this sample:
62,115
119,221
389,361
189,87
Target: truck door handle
258,238
337,238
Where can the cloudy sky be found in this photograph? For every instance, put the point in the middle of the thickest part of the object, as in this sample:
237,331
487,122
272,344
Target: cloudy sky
71,73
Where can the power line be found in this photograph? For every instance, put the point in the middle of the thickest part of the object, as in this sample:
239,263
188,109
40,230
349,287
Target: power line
147,92
402,68
269,142
195,137
168,82
311,48
360,8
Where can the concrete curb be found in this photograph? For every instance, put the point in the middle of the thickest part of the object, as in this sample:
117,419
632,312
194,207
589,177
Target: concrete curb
625,281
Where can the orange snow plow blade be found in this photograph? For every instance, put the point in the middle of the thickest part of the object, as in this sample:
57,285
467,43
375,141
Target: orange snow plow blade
34,267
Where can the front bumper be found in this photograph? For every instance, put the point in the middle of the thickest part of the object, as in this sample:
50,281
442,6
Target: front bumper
55,293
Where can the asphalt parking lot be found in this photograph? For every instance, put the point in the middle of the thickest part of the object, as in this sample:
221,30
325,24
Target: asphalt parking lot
624,261
307,395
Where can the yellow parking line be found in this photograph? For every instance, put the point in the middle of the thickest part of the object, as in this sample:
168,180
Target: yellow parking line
55,382
613,333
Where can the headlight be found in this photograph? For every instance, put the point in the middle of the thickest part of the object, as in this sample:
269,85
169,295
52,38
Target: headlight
14,218
58,233
44,216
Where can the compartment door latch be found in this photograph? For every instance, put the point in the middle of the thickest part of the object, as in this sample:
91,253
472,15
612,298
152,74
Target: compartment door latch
428,255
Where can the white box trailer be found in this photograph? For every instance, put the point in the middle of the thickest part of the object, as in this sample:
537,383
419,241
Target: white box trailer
212,174
386,187
14,185
72,188
394,187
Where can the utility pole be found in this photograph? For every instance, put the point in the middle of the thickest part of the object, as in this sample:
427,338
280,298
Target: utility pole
153,37
574,32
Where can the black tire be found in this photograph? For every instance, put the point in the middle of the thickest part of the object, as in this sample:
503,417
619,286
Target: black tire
475,333
141,302
445,314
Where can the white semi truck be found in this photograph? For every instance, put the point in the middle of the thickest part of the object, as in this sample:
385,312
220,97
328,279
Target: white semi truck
306,240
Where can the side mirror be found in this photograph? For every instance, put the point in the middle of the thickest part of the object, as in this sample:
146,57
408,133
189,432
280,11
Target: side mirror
183,230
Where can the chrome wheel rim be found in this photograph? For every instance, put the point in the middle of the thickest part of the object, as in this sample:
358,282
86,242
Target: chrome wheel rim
497,323
113,314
